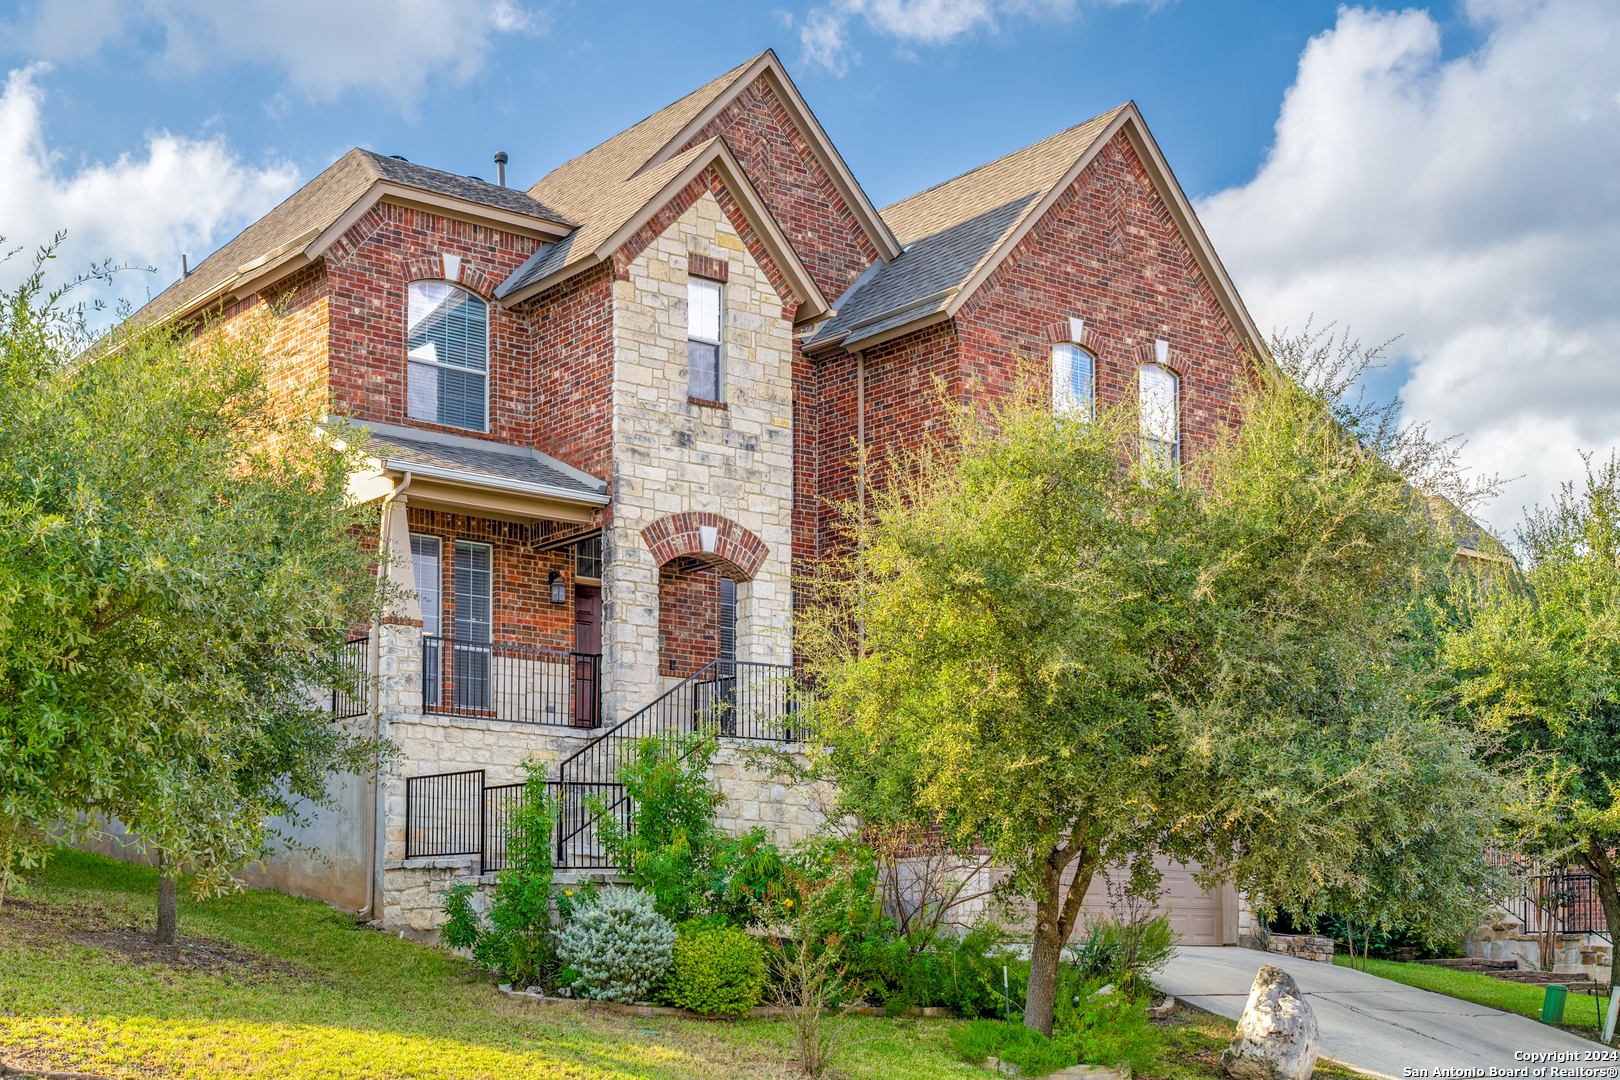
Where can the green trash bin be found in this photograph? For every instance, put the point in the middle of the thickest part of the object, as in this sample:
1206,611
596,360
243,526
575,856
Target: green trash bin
1552,1006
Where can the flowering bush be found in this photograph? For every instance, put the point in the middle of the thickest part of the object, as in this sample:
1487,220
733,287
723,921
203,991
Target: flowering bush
618,945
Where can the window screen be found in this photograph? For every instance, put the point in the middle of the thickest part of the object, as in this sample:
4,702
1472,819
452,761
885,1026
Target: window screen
425,565
703,339
448,347
473,580
1161,420
1073,372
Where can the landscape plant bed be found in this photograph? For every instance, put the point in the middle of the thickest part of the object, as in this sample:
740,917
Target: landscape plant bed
1581,1012
758,1012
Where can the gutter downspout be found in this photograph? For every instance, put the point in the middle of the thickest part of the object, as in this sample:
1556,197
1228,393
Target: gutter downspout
374,857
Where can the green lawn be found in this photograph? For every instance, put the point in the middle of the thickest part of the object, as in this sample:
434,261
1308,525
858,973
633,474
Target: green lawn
1580,1012
267,985
295,991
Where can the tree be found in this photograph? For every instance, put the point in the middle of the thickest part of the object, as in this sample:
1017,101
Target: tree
1043,640
1536,658
177,567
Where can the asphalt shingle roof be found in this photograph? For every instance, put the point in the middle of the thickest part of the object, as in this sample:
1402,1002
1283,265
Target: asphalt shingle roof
497,462
322,201
948,232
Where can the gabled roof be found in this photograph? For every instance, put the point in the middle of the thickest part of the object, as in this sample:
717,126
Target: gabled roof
611,212
298,231
956,233
593,182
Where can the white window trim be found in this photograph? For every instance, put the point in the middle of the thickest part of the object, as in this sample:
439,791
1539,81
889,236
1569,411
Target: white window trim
492,576
1175,383
489,351
719,342
1089,411
438,590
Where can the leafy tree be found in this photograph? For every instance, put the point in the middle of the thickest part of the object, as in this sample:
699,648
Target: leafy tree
1045,641
1536,656
177,568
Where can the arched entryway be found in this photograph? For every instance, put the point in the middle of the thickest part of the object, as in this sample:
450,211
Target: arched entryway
705,565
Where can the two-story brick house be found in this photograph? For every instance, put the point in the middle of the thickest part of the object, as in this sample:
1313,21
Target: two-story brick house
606,414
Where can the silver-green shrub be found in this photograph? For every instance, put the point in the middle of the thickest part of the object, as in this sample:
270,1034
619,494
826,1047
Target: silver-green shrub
619,945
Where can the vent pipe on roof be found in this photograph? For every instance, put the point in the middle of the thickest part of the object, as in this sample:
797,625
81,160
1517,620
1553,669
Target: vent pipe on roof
185,271
500,168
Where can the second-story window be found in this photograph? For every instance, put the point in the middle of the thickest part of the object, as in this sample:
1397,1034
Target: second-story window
703,300
1160,409
1073,372
448,349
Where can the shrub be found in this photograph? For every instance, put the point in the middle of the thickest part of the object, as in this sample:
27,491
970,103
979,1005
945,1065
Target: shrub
1123,951
674,849
517,939
716,969
1032,1052
619,945
1103,1029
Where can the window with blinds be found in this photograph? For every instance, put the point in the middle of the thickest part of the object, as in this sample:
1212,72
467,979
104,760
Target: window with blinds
425,566
473,591
703,339
728,622
1159,405
447,345
1073,373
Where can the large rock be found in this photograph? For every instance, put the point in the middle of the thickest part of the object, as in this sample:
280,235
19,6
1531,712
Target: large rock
1276,1038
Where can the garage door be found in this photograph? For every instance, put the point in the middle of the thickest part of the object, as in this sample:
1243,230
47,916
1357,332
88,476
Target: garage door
1195,915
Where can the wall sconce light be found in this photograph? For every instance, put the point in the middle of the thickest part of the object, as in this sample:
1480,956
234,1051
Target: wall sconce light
559,588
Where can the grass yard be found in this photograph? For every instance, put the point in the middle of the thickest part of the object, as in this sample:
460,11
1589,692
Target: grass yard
1580,1013
266,985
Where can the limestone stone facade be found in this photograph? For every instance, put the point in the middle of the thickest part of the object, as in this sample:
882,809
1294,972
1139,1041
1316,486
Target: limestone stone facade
673,455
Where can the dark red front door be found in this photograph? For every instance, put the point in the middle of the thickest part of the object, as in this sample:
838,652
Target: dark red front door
587,665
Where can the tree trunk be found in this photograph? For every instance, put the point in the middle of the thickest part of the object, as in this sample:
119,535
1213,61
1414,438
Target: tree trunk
1596,859
6,854
166,914
1056,912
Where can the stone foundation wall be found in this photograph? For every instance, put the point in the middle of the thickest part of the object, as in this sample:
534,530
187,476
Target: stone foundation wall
1571,954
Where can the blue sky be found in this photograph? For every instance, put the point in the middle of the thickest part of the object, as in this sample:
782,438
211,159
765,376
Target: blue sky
1445,173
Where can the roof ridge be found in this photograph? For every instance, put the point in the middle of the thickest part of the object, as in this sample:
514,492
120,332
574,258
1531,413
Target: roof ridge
1010,154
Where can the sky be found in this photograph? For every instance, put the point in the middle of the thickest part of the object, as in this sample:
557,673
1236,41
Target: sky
1443,177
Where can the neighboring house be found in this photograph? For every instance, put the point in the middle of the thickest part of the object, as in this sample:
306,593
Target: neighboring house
606,415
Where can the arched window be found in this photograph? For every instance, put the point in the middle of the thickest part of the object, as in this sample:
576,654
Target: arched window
448,348
1074,375
1158,401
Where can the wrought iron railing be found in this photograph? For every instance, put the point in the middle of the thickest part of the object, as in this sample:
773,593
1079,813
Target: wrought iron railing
511,682
455,814
736,699
444,814
1561,901
349,696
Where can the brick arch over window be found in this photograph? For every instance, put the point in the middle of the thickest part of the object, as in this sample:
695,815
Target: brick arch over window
690,534
454,269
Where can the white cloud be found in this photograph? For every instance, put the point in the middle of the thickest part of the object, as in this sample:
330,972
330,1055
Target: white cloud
401,48
177,195
1471,206
825,37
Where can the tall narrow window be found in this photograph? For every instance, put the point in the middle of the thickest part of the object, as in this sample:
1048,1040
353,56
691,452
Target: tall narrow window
1074,371
475,659
425,565
588,559
1160,412
703,301
728,624
473,580
448,349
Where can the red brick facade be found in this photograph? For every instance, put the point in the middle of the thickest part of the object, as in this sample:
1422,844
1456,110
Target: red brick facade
1106,252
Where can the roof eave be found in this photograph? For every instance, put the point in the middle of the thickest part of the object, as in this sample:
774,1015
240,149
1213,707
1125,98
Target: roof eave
770,68
494,483
842,343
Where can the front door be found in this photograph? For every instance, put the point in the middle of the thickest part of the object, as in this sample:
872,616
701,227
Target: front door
588,649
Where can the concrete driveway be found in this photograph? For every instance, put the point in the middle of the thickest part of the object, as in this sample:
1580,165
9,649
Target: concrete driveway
1379,1027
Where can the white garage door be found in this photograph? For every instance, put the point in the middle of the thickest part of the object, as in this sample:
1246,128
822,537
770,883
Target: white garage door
1195,916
